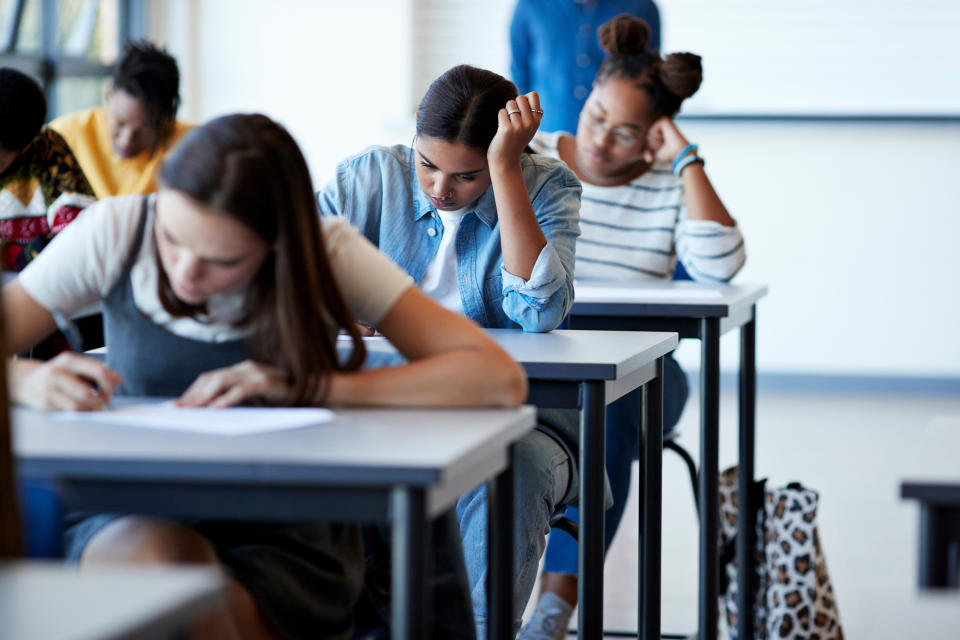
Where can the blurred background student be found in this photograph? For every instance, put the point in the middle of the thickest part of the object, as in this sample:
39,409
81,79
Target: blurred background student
554,50
42,188
121,145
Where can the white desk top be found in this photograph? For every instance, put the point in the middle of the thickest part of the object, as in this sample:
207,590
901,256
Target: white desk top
374,446
41,601
567,354
584,355
663,298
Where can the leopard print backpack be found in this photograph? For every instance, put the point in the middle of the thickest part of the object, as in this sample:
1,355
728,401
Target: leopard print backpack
794,599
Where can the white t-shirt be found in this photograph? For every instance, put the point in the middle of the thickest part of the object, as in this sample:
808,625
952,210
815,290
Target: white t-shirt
440,281
85,261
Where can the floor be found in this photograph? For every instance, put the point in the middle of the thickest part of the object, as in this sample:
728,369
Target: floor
853,450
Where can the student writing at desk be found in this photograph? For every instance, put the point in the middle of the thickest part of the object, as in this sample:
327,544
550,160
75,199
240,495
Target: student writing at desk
647,201
223,288
488,230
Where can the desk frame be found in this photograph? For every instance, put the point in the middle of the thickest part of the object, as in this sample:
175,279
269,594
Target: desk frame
939,540
304,493
591,397
708,330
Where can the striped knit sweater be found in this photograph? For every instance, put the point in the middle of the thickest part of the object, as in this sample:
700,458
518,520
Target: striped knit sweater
637,231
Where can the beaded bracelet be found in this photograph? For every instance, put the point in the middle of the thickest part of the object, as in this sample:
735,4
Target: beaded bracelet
686,162
682,154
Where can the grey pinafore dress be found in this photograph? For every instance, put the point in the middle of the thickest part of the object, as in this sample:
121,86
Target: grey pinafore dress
305,578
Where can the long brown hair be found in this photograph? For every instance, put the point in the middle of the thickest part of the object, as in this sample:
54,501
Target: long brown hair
10,535
250,168
669,81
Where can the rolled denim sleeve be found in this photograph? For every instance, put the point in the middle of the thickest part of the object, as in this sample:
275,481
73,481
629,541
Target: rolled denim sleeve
543,301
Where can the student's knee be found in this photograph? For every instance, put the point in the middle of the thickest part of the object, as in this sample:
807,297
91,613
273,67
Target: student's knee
135,539
541,472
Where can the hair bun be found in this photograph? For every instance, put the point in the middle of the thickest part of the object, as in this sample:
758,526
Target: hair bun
624,35
681,74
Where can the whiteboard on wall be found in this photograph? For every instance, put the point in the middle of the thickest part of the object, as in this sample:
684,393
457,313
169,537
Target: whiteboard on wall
820,57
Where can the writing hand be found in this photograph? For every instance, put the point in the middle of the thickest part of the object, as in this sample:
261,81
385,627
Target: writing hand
69,382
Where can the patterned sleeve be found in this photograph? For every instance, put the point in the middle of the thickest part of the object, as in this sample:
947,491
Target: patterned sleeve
65,186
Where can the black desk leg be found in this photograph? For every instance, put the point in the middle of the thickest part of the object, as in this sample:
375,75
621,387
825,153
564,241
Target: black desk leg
408,513
500,559
934,546
746,523
651,509
709,451
590,549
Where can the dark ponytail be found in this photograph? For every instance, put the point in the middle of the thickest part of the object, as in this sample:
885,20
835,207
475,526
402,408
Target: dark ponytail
669,81
462,106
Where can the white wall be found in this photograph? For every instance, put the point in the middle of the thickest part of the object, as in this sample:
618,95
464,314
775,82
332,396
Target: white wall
852,224
336,74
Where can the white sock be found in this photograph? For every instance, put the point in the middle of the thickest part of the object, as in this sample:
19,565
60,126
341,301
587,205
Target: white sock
549,621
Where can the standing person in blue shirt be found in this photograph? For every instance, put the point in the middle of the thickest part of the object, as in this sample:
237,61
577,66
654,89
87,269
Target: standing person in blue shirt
554,50
488,230
648,206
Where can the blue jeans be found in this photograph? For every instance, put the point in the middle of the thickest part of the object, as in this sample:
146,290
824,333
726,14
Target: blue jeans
623,435
541,483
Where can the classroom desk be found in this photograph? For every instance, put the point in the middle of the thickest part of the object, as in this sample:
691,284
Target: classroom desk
934,481
588,370
368,465
47,601
704,312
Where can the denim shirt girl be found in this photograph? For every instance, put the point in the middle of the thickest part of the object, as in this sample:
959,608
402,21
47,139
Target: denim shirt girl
378,192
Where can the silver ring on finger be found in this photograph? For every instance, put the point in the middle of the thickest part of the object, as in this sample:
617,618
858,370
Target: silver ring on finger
510,113
537,111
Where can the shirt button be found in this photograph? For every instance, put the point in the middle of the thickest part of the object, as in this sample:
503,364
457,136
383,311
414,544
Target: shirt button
583,61
431,232
580,92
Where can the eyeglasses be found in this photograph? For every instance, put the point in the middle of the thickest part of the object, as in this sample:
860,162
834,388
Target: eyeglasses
597,126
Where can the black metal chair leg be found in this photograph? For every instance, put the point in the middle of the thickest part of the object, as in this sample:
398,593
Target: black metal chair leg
691,469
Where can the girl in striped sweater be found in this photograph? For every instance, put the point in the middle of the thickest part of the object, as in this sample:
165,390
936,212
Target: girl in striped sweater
647,204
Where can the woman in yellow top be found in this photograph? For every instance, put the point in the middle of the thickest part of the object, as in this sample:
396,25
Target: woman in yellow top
121,145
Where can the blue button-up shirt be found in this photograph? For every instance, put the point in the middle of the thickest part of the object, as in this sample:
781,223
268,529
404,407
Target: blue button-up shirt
554,50
378,192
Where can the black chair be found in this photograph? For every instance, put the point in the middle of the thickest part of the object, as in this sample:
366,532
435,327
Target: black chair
559,519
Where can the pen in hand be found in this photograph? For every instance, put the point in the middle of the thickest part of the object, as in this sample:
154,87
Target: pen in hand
69,330
74,339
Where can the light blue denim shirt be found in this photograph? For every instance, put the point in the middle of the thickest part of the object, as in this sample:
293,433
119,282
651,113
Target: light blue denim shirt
378,192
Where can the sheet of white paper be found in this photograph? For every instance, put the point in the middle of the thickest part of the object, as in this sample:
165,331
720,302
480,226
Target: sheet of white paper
228,422
588,293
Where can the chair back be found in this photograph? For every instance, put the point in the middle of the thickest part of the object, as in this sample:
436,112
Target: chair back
10,532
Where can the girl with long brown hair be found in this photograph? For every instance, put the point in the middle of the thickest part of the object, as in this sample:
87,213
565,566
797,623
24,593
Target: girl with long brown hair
227,288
